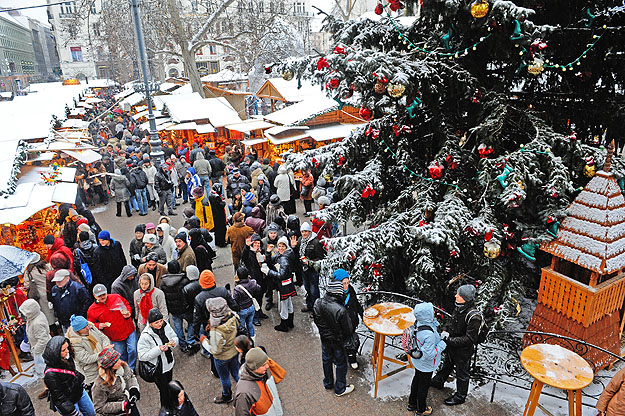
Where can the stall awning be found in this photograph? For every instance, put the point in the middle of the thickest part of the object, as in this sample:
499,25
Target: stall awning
192,125
249,125
333,131
252,142
160,122
286,139
59,145
85,156
33,174
123,94
75,123
84,104
205,129
94,100
144,113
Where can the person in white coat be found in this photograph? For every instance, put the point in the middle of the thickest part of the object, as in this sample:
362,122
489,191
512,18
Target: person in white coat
35,283
38,334
156,343
283,183
163,231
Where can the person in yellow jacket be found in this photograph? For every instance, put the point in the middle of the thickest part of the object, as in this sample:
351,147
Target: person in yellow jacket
203,208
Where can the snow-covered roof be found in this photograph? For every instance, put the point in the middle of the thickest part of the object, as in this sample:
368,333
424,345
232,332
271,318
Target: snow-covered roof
161,100
144,113
75,123
185,89
303,111
332,131
289,90
101,83
168,86
249,125
123,94
133,99
192,125
593,234
225,75
217,110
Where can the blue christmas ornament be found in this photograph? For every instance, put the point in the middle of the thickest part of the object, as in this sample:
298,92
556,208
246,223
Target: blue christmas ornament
503,178
516,34
447,41
413,107
528,250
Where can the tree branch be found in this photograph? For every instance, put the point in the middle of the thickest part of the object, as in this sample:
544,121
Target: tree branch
209,22
164,52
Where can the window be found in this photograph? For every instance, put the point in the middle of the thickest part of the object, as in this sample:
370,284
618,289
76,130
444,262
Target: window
94,10
212,49
213,67
272,7
282,7
76,53
68,8
96,29
261,7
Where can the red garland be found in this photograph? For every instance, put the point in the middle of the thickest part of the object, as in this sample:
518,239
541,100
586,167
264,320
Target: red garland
485,151
340,50
341,161
315,162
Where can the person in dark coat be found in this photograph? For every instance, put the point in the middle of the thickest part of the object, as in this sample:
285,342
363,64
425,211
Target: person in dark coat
164,188
194,223
308,249
179,403
68,298
172,284
84,253
252,256
65,384
280,269
126,285
109,260
14,401
255,220
217,167
203,252
461,336
218,207
243,293
263,191
354,310
136,246
335,328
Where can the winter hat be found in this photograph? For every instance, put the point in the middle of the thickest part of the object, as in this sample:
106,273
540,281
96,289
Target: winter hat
83,236
274,200
146,157
188,212
140,228
340,274
104,235
193,273
305,227
218,309
150,239
60,275
99,290
262,177
197,192
273,227
467,292
249,196
149,226
283,240
207,279
256,237
84,227
321,182
334,287
173,267
78,322
49,239
324,200
72,213
154,315
255,165
151,257
118,172
255,358
235,170
82,221
243,273
181,236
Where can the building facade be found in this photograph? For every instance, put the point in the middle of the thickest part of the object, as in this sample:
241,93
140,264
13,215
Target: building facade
18,65
46,58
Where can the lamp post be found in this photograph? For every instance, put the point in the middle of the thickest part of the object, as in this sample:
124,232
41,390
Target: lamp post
155,141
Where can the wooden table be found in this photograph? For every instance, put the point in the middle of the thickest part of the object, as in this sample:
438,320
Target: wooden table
557,367
384,319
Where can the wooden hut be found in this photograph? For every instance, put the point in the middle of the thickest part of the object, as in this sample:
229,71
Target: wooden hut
581,294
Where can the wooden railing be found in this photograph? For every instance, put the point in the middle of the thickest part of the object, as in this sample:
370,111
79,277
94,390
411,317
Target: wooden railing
578,301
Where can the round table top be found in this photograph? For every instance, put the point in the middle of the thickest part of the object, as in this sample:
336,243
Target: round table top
556,366
389,318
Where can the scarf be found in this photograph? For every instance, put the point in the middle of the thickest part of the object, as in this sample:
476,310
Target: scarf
145,304
164,340
302,248
92,341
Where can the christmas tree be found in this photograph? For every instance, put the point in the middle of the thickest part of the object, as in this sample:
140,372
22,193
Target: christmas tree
484,120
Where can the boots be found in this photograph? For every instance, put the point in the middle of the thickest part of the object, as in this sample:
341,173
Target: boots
462,388
283,326
289,320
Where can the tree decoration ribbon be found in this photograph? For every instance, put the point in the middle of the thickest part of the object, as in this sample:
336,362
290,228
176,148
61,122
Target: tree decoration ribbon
552,225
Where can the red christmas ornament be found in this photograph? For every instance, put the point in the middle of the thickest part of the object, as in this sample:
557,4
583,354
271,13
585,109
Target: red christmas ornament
538,44
454,253
451,163
477,96
375,134
396,5
315,162
268,69
365,113
341,161
403,129
485,151
322,63
340,50
488,235
572,136
379,9
436,170
334,83
422,223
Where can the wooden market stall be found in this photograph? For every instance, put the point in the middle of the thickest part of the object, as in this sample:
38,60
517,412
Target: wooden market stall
278,93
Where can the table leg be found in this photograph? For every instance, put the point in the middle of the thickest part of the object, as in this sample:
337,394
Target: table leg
9,339
379,362
571,396
578,402
532,400
374,351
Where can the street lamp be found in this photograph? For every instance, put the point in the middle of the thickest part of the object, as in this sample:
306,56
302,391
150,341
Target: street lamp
148,87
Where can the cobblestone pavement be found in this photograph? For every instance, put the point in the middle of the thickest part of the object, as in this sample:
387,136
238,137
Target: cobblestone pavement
298,351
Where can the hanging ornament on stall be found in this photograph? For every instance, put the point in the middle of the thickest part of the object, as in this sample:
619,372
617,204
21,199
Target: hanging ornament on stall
552,225
341,161
395,5
503,178
339,50
379,87
315,162
333,83
479,9
365,113
379,9
528,249
287,75
268,69
590,169
485,151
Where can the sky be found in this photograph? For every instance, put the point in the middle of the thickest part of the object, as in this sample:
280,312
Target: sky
38,13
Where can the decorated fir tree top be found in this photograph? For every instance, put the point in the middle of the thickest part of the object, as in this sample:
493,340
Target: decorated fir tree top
593,234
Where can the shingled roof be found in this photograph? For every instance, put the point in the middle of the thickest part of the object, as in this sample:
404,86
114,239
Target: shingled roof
593,234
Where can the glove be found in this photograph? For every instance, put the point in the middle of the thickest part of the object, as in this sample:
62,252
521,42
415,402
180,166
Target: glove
135,393
136,257
277,266
264,268
444,335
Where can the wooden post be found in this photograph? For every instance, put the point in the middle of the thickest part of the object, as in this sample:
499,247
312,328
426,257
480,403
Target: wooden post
594,277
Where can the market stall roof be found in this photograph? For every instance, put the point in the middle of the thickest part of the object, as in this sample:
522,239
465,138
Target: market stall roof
76,111
133,99
217,110
85,156
161,124
161,100
252,142
75,123
168,86
31,197
8,150
303,111
183,90
192,125
249,125
84,105
123,94
33,174
282,90
286,136
281,129
75,134
93,100
100,83
332,131
60,144
144,113
225,75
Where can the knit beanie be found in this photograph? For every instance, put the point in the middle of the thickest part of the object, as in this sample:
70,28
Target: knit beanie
249,196
340,274
207,279
255,358
181,236
242,273
197,192
49,239
273,227
77,322
173,267
154,315
104,235
467,292
193,273
284,240
82,221
140,228
150,239
83,236
218,310
108,357
149,226
152,256
335,287
84,227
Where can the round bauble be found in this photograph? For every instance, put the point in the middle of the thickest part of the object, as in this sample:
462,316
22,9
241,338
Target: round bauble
379,88
536,67
479,8
396,90
287,75
590,170
492,249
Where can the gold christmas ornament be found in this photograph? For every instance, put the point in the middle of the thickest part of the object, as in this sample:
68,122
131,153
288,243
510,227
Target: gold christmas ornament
521,185
379,88
479,8
396,90
287,75
492,249
536,67
590,170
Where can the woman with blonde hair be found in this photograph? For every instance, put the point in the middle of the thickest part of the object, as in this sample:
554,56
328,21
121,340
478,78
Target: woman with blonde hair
116,390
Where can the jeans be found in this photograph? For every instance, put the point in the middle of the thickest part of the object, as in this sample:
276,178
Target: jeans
311,284
185,192
333,354
247,318
225,369
177,322
133,203
128,349
205,180
419,390
84,405
173,196
142,200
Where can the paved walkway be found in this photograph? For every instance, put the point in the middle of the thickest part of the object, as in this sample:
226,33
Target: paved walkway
298,351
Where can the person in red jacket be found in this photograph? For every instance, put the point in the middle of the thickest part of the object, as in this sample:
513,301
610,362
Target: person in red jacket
111,314
57,245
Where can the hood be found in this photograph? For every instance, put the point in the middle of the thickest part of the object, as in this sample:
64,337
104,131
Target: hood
424,313
127,271
164,217
58,243
86,245
282,170
194,222
30,309
292,223
321,181
59,261
151,283
256,212
255,165
166,228
172,279
52,353
191,170
199,156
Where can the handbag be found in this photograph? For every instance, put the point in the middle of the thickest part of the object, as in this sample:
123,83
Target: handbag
84,268
305,191
148,371
254,301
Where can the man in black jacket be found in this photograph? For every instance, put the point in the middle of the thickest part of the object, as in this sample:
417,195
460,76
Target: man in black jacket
139,180
109,260
308,248
172,284
14,401
335,328
164,187
464,327
217,167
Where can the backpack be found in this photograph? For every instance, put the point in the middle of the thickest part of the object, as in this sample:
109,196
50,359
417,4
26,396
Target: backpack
482,332
410,343
84,268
